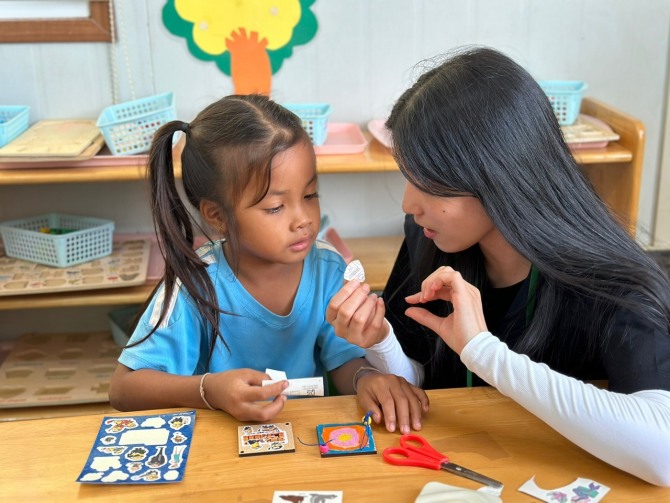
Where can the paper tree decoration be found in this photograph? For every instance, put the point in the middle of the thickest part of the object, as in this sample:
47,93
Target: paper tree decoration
247,39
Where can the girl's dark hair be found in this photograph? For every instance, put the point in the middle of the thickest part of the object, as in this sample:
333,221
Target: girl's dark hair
479,124
229,145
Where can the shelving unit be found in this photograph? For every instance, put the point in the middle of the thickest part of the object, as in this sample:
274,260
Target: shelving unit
615,172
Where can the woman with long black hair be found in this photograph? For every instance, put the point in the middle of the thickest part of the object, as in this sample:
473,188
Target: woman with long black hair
513,273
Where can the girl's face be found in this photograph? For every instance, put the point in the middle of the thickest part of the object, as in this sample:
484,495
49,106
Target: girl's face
453,223
284,224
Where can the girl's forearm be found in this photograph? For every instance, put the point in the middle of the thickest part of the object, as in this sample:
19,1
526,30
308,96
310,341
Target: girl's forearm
343,376
152,389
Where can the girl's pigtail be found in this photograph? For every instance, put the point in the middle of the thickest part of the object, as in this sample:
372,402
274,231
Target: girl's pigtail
174,227
171,218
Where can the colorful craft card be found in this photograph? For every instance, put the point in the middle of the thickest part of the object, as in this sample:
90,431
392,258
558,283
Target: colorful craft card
272,438
307,497
581,489
346,439
140,449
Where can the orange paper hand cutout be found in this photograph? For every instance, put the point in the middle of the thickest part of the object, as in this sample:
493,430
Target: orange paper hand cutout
249,63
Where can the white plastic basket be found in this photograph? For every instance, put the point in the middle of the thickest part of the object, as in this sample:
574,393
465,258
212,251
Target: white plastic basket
128,128
78,239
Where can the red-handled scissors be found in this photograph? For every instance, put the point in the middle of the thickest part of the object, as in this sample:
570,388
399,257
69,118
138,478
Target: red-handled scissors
415,450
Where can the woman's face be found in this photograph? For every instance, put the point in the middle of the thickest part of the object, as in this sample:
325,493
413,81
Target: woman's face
453,223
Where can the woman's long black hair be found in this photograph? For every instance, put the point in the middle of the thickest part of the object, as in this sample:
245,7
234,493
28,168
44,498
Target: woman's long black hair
478,123
230,144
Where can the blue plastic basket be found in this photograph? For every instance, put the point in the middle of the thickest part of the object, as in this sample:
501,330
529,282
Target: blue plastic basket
84,239
129,127
565,97
14,120
314,117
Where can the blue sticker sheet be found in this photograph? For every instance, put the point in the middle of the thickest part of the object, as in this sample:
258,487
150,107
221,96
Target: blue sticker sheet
140,449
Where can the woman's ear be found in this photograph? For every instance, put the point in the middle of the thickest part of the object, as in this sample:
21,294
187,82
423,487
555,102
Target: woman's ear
212,214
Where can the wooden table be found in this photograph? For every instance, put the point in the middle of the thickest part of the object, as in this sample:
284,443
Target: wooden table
479,428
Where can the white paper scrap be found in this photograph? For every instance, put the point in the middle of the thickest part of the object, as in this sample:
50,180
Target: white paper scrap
305,386
354,271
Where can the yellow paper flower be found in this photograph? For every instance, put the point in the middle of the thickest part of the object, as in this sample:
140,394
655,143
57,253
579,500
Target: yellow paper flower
213,22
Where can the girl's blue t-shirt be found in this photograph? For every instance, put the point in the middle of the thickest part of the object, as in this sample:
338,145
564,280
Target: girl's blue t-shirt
303,343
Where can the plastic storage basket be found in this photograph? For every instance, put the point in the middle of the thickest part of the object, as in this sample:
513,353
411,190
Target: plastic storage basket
83,239
314,118
14,120
565,97
128,128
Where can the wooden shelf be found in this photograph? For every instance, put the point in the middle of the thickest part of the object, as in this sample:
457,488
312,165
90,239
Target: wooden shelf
375,158
105,297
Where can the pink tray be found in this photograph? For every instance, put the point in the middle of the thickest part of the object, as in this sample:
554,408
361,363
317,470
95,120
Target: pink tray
343,138
378,129
588,132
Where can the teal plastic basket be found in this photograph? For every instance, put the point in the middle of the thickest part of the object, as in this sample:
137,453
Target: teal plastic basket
129,127
314,117
81,239
14,120
565,97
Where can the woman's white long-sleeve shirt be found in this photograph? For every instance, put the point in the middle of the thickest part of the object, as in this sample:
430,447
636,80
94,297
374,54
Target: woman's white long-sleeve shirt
628,431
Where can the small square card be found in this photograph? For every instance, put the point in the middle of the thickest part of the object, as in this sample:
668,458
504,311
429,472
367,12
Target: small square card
346,439
307,497
272,438
140,449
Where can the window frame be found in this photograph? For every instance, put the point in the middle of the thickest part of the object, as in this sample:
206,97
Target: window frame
95,28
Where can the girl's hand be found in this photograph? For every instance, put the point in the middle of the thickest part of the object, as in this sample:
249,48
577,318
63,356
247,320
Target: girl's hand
393,399
240,393
467,319
357,316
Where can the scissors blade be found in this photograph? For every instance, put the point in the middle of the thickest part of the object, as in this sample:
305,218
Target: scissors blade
477,477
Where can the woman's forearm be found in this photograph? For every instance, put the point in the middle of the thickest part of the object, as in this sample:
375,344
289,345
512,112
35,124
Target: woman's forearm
631,432
389,357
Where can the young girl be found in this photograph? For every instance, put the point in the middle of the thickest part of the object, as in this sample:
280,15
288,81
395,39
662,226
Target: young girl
514,273
254,299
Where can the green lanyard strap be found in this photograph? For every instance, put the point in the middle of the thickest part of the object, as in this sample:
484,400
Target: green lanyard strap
530,309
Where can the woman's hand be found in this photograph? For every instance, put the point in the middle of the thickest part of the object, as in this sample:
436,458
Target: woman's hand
467,319
357,316
241,394
393,399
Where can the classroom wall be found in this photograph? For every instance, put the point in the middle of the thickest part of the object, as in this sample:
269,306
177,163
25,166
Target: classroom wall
363,56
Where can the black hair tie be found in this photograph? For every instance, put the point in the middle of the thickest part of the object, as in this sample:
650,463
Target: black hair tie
185,127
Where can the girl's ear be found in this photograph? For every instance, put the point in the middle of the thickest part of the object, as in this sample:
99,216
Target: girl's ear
212,213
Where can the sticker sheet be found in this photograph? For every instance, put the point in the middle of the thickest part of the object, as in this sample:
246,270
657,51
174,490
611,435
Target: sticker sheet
271,438
345,439
140,449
